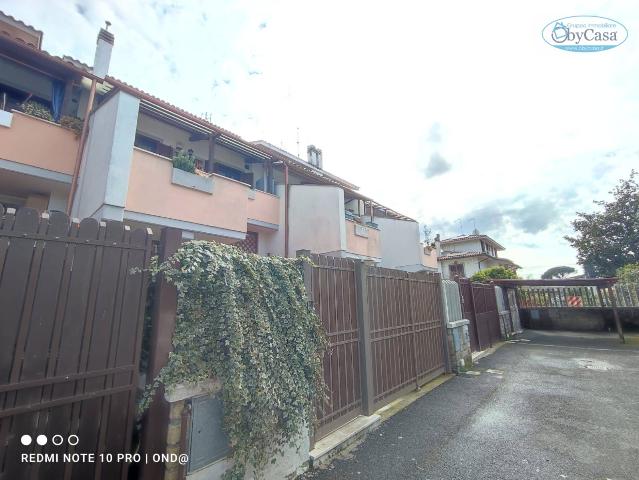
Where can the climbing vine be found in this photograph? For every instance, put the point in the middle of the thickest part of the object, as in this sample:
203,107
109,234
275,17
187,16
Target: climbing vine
245,320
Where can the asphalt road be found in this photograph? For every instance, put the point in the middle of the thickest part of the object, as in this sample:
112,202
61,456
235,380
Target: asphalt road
560,406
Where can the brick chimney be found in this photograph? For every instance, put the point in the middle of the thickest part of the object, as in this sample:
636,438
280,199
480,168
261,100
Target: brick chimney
103,52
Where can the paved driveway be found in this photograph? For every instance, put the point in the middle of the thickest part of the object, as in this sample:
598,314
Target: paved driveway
558,406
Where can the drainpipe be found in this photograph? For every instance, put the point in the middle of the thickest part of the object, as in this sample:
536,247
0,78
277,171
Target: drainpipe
286,192
78,157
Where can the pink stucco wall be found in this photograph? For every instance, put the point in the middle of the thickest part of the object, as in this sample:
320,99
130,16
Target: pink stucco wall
264,207
36,142
429,260
151,192
361,245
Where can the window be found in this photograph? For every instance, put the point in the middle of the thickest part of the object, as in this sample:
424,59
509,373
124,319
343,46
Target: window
456,270
234,173
146,143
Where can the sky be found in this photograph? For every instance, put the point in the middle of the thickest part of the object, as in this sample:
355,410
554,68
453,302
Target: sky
457,114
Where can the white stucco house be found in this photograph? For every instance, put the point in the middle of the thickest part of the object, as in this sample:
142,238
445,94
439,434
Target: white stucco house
466,255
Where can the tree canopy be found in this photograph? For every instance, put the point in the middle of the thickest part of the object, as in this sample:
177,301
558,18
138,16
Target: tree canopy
609,239
629,273
492,273
557,272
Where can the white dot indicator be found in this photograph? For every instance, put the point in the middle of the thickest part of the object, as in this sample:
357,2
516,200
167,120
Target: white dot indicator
74,438
41,440
26,439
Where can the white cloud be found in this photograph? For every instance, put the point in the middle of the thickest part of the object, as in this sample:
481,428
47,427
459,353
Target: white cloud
367,82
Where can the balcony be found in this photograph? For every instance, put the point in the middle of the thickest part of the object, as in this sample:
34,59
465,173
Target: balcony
37,143
264,208
219,205
362,240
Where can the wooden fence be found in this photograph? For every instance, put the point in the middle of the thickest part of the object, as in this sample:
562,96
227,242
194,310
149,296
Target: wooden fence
385,329
71,320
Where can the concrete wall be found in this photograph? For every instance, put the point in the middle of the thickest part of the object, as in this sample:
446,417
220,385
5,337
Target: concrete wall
58,199
38,143
104,176
292,463
316,219
400,242
565,319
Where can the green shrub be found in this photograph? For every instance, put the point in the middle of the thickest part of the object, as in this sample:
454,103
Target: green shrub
37,109
628,273
184,161
493,273
245,320
72,123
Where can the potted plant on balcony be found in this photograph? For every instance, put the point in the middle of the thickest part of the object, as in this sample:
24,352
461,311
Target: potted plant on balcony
184,161
37,109
72,123
184,173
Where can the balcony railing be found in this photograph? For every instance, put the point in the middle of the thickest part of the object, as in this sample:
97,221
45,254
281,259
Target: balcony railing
362,240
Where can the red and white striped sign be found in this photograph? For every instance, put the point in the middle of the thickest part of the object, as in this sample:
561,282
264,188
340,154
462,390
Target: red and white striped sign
574,301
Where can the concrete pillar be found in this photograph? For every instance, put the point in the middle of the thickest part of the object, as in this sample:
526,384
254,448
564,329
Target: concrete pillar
459,345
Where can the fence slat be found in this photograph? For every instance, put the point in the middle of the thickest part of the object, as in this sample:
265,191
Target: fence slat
49,280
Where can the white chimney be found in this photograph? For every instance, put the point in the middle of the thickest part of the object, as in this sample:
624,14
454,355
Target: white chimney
103,52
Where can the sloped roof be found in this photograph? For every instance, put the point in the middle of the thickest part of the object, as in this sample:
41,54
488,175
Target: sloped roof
454,255
44,60
473,236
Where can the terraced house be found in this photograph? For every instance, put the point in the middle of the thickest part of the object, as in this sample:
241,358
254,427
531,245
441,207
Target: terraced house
74,139
465,255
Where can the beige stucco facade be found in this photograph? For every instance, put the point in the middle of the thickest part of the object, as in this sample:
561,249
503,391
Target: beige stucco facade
318,223
38,143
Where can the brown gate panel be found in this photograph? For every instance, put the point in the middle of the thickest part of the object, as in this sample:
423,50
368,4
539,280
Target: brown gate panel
333,289
406,323
71,323
487,312
479,306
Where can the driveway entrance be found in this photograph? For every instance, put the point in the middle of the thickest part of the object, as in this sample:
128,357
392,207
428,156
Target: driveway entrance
552,405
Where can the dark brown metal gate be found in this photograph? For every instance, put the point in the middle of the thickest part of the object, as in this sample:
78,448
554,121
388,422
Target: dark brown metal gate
385,330
479,306
333,293
486,313
407,335
71,315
